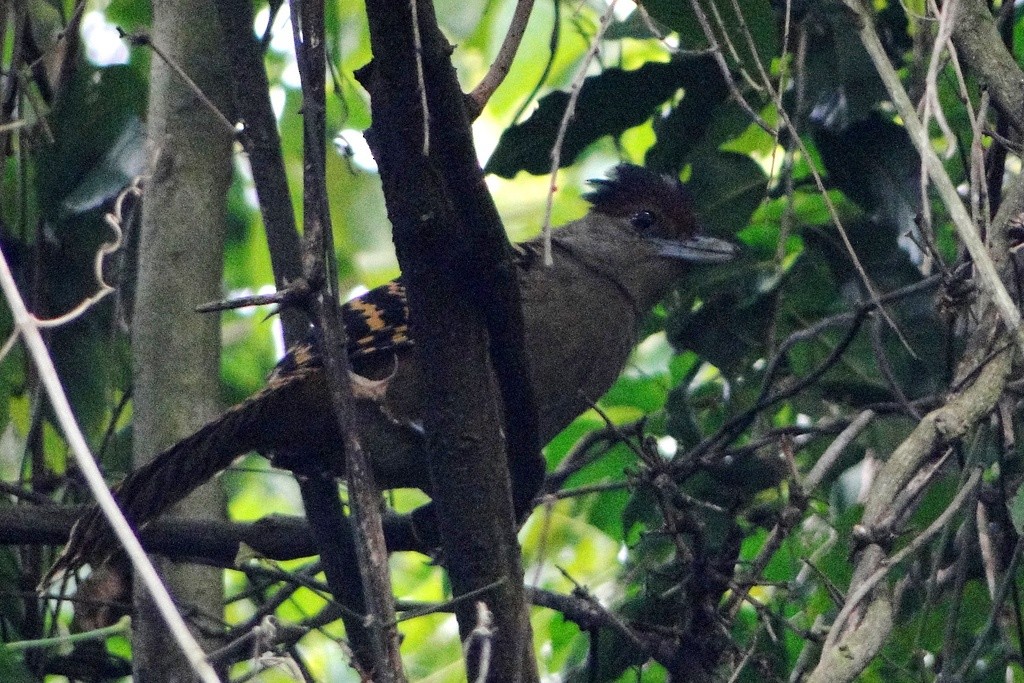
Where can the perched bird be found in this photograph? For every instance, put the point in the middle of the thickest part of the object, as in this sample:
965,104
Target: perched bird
581,317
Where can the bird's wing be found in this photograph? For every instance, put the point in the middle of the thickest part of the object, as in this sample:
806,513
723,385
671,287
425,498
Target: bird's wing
376,323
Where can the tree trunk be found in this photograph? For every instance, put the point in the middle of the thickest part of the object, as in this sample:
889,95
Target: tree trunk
175,352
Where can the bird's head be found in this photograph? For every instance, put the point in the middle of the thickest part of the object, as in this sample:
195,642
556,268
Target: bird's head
656,213
642,232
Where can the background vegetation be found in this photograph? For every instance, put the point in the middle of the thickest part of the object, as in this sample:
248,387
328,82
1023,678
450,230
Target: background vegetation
790,480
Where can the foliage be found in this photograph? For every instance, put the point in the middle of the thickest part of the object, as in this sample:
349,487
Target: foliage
682,506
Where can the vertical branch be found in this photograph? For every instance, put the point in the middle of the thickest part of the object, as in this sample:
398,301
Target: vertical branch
466,311
175,353
319,492
262,143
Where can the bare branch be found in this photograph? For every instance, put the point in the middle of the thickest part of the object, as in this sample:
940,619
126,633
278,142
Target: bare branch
29,329
863,589
478,98
143,39
965,229
567,116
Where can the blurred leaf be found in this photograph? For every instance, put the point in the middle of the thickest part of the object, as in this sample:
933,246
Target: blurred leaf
1017,510
12,609
117,457
634,26
12,368
97,148
125,160
728,187
756,23
640,511
128,14
732,318
527,146
92,359
841,84
96,128
725,330
681,423
874,163
12,669
689,121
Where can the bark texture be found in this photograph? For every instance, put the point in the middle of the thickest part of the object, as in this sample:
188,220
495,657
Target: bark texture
175,352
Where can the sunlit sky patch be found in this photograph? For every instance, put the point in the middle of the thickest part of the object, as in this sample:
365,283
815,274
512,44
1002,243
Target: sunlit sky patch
103,44
281,42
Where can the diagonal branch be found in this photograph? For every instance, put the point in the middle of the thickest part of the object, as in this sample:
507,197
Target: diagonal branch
319,490
26,324
477,99
965,228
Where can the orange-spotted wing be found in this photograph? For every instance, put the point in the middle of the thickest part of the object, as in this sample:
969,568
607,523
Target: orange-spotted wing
376,322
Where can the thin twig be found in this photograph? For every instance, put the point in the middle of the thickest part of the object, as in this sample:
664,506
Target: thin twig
448,605
478,98
1009,580
723,67
295,292
318,488
787,520
144,39
965,228
29,329
836,448
121,628
567,116
788,122
765,399
854,599
746,658
930,104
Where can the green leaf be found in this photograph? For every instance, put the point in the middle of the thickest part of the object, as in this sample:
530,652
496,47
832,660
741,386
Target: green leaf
98,139
1017,510
756,19
728,328
608,104
691,120
728,188
874,163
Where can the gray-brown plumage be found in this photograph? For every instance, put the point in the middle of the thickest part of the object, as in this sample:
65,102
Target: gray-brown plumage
581,316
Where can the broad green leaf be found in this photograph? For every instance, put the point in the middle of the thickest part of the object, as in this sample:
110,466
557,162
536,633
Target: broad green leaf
1017,510
728,187
527,146
755,23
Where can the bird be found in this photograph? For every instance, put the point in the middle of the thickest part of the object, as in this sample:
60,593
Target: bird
581,314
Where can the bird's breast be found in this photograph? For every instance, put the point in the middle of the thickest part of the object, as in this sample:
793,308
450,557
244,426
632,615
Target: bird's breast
579,336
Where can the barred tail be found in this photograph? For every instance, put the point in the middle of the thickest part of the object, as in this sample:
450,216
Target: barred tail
176,472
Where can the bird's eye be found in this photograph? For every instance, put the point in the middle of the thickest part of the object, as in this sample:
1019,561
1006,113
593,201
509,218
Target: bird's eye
642,220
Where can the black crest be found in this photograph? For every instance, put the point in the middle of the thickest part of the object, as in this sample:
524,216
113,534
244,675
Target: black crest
629,189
